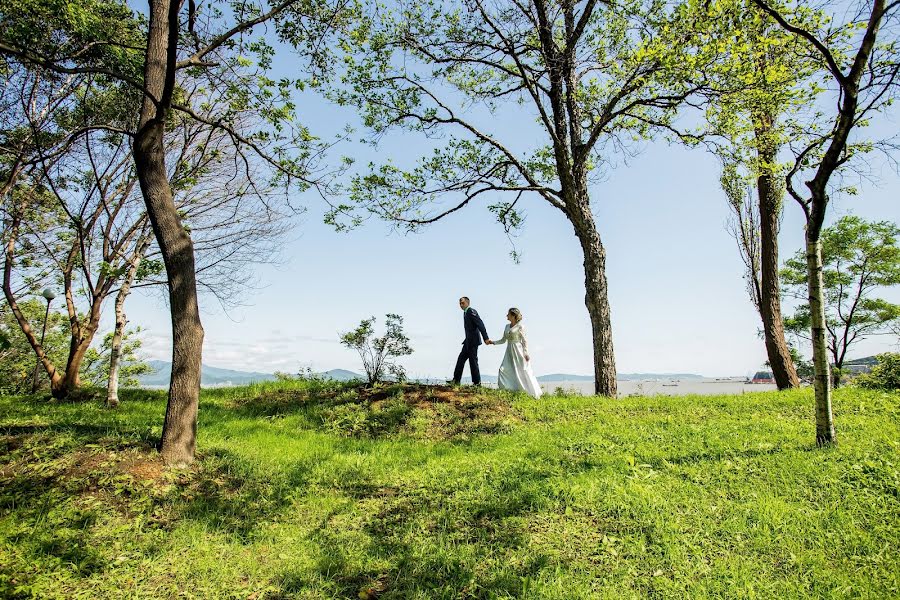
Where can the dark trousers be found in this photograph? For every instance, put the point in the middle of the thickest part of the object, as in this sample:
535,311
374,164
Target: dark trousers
468,353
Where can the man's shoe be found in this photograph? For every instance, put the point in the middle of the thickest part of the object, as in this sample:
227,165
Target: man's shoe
453,382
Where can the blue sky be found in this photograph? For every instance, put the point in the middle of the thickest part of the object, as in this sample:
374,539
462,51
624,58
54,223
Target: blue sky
676,290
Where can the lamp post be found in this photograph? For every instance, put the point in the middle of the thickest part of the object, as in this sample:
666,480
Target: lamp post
48,296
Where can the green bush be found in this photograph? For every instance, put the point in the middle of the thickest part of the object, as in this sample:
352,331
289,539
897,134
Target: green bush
366,420
885,375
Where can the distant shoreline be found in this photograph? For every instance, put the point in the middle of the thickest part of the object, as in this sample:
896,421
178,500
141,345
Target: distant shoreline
704,386
219,377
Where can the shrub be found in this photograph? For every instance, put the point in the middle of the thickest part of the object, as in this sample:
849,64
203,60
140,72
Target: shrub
885,375
367,420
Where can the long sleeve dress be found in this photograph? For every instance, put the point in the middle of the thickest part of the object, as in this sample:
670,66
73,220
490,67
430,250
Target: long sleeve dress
515,372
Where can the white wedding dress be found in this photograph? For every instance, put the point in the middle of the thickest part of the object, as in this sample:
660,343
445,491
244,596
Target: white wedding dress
515,371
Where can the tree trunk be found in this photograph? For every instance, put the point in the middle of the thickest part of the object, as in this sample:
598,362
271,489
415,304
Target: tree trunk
836,376
180,426
71,379
770,287
9,259
112,389
596,297
825,433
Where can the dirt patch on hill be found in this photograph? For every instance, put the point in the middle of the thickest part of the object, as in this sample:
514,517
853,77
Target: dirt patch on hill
442,412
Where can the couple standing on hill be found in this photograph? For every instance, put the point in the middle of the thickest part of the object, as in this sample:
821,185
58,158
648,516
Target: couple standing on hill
515,370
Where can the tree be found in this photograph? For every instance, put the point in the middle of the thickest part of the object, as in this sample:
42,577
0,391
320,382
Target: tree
378,353
91,234
858,259
97,363
595,76
270,100
864,76
116,351
208,42
75,227
17,360
46,116
765,85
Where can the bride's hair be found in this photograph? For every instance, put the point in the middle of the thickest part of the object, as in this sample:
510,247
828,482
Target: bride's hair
516,313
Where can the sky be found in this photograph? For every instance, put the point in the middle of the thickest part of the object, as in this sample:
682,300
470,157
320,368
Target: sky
678,299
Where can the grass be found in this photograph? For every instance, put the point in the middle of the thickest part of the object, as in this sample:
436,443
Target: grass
314,490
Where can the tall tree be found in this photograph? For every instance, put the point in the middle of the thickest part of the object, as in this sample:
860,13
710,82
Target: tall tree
766,83
252,89
209,42
860,58
595,77
54,209
92,235
859,258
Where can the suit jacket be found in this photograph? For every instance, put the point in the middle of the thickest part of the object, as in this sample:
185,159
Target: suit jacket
473,325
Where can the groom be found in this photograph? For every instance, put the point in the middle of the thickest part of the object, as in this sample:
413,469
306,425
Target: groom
473,325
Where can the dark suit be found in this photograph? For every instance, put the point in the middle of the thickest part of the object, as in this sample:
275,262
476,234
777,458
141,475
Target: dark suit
473,326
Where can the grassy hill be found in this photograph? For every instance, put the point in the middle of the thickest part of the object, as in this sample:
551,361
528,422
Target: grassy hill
324,490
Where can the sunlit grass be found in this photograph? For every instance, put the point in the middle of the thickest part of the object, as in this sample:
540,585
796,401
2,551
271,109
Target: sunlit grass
315,490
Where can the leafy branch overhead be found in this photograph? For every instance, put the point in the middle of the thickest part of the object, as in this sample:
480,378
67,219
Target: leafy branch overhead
618,75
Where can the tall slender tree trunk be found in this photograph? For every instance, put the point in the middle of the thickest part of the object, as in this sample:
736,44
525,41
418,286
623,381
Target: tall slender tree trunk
596,296
112,389
180,426
825,433
770,286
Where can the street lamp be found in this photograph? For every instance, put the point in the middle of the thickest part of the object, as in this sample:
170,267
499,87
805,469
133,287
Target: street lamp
48,296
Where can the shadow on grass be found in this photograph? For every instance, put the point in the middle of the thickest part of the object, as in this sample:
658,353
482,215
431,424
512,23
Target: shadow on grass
715,456
450,542
225,493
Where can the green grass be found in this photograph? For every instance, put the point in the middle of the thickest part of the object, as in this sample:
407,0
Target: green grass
310,490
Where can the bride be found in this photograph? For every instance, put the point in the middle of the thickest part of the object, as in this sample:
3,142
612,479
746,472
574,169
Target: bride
515,371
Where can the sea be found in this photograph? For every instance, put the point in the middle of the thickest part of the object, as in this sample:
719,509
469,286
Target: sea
707,386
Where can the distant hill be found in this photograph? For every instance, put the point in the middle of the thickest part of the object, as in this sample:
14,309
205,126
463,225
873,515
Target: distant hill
868,360
209,376
341,375
213,376
560,377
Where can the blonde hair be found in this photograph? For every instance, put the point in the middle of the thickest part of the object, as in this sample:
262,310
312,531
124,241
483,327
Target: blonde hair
516,313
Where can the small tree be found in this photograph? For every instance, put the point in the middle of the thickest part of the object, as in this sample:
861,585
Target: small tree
858,258
129,363
377,353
